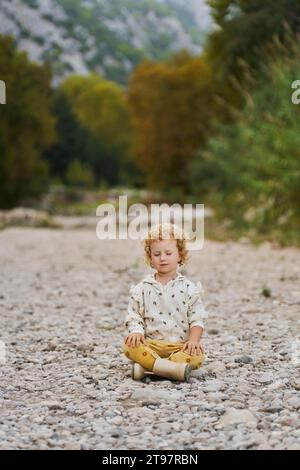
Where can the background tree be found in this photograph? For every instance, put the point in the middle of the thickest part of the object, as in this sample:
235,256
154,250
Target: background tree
26,125
171,108
73,140
79,175
236,47
245,26
100,108
250,171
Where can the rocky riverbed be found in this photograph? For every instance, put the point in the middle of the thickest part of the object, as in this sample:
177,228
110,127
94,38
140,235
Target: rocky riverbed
65,383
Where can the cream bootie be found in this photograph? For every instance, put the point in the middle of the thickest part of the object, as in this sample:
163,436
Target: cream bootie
172,370
137,371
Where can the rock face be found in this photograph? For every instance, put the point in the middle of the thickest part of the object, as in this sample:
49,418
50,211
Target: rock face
102,36
65,383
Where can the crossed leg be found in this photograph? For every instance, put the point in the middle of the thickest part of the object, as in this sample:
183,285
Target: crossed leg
142,354
146,354
181,356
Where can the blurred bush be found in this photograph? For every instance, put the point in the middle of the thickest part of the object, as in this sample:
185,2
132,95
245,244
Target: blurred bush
27,125
250,170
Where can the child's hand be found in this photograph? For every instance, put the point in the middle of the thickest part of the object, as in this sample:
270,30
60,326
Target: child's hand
193,348
134,339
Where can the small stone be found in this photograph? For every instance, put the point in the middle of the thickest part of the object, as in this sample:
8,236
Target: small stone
151,403
276,385
216,367
243,359
296,384
264,446
294,402
71,445
213,331
291,422
118,420
101,376
214,387
266,378
214,397
228,339
271,409
51,346
146,394
116,434
235,416
231,365
52,405
199,373
295,446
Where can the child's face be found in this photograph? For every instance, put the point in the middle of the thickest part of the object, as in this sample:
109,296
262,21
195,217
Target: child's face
164,255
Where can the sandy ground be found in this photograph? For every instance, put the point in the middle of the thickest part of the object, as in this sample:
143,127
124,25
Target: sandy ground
65,382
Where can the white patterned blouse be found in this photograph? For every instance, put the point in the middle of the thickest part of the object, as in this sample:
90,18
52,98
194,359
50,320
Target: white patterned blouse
165,312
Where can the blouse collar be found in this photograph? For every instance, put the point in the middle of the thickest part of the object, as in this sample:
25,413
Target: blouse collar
151,279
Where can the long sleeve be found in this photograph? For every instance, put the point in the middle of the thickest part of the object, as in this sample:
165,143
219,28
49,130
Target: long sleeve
196,312
134,322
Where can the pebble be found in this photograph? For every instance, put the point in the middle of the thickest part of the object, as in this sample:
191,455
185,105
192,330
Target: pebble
266,378
243,359
294,402
296,384
238,417
156,395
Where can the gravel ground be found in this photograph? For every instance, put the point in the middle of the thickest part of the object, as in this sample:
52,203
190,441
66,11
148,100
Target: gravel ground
65,383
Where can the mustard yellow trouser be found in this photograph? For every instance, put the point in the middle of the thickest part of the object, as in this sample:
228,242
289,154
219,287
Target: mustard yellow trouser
146,354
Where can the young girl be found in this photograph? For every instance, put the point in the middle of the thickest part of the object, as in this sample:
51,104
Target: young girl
165,312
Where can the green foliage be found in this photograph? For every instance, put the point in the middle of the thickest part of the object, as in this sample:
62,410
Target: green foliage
251,169
171,110
73,140
244,27
266,292
100,106
79,175
236,47
26,125
93,126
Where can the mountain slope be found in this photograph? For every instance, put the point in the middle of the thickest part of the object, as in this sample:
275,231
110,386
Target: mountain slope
105,36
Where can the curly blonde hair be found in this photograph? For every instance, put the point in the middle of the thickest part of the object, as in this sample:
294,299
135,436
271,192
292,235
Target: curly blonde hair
167,231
